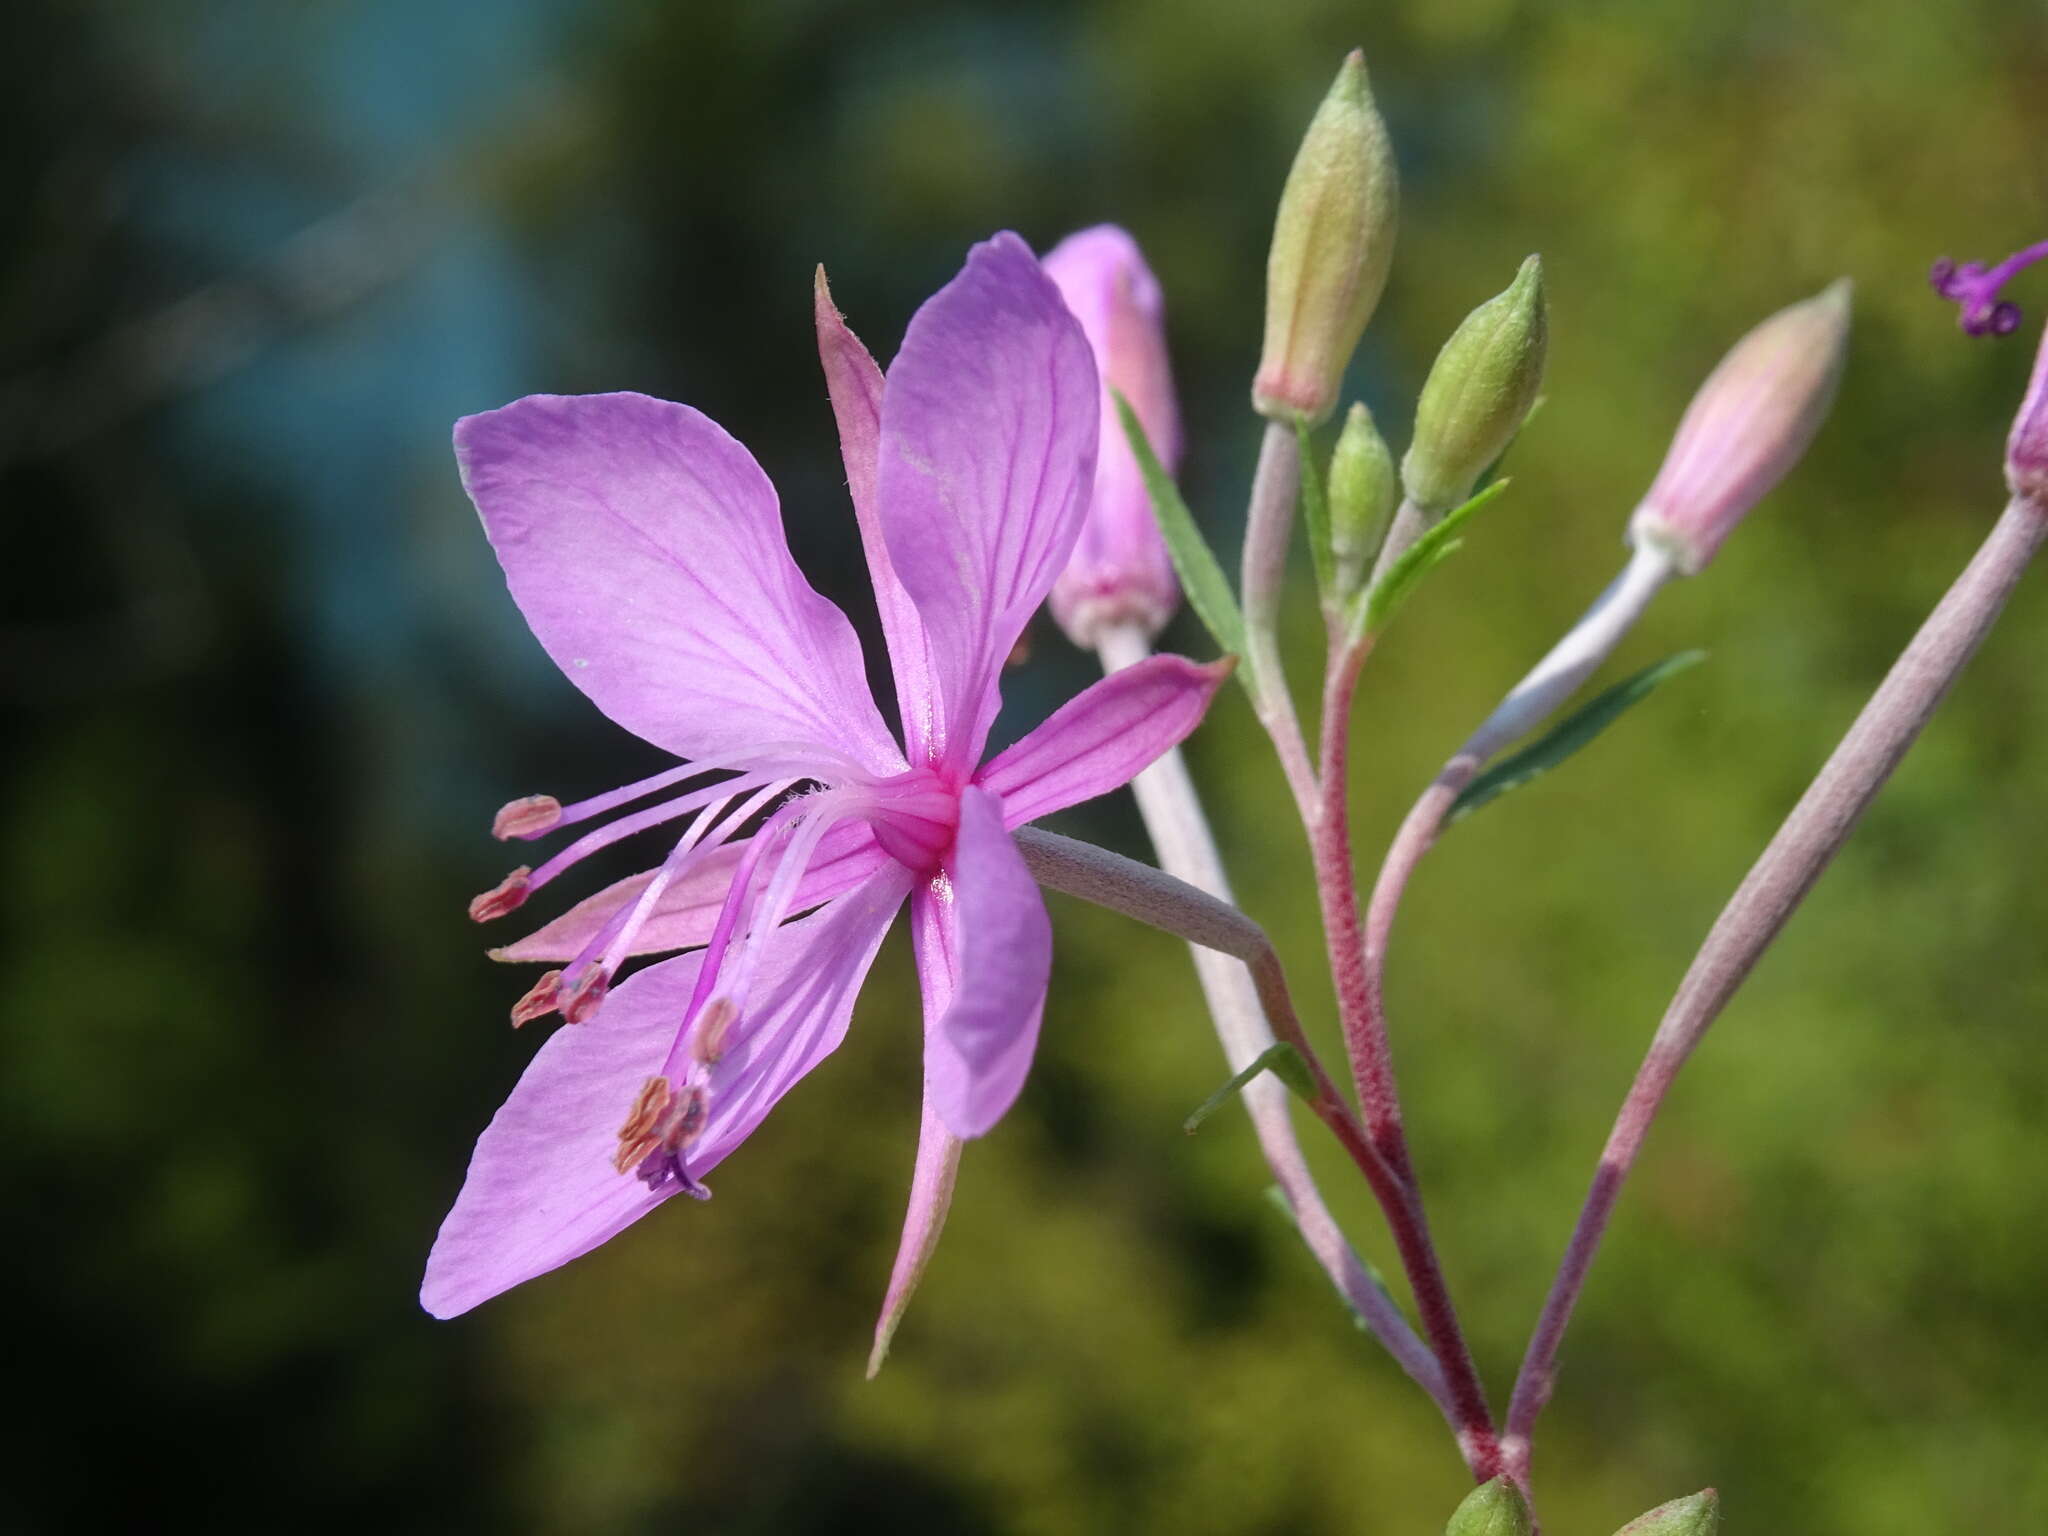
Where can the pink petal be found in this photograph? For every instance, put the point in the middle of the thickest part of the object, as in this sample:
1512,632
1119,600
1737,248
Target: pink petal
989,424
855,385
845,857
645,548
1103,737
976,1060
541,1189
938,1149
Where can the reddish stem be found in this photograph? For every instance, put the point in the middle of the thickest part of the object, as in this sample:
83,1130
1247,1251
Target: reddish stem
1380,1147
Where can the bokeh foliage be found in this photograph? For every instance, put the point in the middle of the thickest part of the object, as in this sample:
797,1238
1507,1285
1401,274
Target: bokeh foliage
264,689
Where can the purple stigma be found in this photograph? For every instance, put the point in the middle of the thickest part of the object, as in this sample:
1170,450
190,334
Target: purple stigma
1975,288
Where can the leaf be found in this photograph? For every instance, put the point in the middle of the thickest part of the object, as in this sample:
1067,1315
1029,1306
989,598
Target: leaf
1315,511
1417,561
1567,736
1281,1059
1200,576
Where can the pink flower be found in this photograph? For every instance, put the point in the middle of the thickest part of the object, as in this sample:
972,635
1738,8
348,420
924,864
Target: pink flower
645,548
1120,572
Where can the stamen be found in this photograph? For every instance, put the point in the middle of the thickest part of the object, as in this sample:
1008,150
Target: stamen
540,1000
640,821
707,1037
528,816
503,897
626,794
1975,289
641,1134
659,1126
586,994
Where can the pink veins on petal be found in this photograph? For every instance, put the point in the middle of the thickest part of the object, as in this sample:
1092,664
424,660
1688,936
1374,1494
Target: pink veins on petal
645,548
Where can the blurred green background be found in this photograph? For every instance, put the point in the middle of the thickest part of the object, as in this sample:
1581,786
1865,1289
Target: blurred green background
264,689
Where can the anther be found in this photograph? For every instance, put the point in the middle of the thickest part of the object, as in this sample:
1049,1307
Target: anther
645,1124
540,1000
584,995
528,816
707,1040
503,897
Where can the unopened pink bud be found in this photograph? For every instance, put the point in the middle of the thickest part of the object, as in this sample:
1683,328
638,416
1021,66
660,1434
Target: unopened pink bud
1746,428
1120,572
2026,451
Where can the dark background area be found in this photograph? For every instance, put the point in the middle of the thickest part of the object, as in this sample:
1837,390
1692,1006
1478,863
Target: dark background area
264,688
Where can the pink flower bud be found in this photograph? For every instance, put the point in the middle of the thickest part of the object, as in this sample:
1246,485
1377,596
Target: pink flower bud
1746,428
2026,451
1119,572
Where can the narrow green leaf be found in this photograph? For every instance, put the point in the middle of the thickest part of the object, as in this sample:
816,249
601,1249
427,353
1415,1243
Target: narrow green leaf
1417,561
1282,1060
1315,511
1568,735
1201,577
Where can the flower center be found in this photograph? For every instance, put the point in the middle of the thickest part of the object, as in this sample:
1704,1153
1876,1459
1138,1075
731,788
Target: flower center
915,815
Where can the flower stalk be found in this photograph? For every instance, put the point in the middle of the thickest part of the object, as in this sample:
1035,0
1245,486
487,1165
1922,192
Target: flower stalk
1809,838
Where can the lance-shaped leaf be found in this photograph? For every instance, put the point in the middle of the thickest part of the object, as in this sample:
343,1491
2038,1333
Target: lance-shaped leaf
1568,735
1208,590
1282,1060
1417,561
1315,511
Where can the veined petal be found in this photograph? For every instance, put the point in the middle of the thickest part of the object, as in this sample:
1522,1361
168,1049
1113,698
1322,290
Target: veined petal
541,1188
977,1058
989,423
938,1149
1103,737
855,385
684,917
645,548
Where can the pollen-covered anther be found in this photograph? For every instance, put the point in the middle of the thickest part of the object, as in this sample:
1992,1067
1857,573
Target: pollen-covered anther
707,1038
660,1124
582,998
541,999
528,816
645,1125
503,897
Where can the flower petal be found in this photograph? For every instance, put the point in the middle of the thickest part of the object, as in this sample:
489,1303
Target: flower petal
976,1060
938,1149
645,548
684,917
541,1189
989,423
1103,737
855,385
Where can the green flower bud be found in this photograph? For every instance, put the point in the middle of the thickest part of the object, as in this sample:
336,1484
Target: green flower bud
1332,241
1480,390
1363,490
1492,1509
1698,1514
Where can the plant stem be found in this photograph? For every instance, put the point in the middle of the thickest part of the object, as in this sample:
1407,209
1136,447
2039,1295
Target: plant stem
1269,525
1164,902
1180,835
1767,897
1372,1065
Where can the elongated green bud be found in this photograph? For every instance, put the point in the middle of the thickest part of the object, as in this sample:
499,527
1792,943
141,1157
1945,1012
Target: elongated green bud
1332,241
1697,1514
1363,490
1492,1509
1479,392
